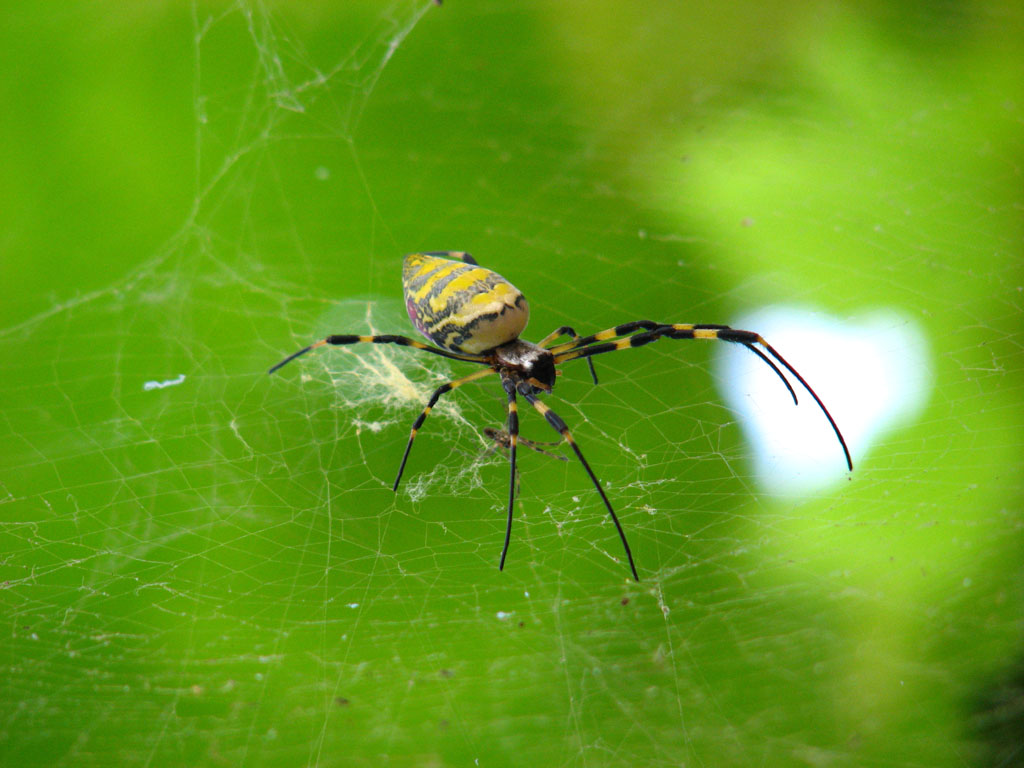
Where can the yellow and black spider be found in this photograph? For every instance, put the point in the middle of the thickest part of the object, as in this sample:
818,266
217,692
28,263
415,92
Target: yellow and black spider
476,315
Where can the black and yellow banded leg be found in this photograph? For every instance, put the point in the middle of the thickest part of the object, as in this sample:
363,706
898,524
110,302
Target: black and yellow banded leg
560,426
513,439
404,341
678,331
748,339
566,330
426,412
652,332
457,255
609,333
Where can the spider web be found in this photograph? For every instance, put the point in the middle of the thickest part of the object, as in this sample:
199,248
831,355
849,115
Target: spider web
206,565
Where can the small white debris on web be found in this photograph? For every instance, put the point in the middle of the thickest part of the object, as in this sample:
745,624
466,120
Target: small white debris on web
373,426
149,385
505,615
665,610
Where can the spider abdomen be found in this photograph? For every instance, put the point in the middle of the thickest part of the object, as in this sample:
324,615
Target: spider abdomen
460,306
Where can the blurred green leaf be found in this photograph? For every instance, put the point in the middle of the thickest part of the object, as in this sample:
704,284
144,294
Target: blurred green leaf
216,571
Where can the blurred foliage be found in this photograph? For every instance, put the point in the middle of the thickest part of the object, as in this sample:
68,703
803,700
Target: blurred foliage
217,572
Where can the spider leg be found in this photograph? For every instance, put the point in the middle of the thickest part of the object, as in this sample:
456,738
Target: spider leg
426,412
533,445
705,331
500,439
774,367
609,333
566,330
560,426
748,339
655,331
404,341
798,377
513,437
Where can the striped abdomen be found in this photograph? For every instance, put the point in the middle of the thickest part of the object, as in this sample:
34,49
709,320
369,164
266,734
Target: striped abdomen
461,307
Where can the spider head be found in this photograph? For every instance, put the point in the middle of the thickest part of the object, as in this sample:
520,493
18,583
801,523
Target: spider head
532,364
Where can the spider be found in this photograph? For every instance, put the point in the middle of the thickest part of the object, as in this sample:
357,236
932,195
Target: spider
475,315
503,440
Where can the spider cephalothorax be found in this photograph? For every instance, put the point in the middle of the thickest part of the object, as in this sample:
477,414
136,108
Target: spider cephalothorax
476,315
529,362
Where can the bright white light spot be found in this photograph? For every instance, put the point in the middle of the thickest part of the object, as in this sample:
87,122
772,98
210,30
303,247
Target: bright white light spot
871,371
505,615
149,385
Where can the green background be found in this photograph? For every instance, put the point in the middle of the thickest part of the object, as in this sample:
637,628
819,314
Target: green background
217,572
